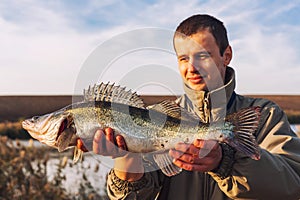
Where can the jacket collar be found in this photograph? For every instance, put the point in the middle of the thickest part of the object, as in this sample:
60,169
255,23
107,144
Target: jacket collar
213,102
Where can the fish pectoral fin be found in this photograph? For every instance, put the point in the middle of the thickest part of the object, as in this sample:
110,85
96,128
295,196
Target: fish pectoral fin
164,162
78,154
64,139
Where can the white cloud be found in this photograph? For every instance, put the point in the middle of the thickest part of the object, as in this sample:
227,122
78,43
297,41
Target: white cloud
45,43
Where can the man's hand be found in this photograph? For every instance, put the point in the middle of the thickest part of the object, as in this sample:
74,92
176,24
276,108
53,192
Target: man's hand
106,143
128,166
202,155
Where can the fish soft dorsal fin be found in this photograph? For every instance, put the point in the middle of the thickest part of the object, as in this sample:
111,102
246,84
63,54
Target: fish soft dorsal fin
111,93
172,109
164,162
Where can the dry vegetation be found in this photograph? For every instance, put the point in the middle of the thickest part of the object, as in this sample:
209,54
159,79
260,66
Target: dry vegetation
23,175
13,130
15,108
289,103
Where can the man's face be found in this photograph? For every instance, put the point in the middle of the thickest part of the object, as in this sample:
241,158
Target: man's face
200,63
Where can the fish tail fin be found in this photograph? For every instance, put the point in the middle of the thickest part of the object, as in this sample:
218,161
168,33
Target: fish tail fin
78,154
245,122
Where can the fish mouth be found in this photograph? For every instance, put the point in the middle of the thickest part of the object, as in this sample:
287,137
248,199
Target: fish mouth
27,124
56,130
36,131
62,127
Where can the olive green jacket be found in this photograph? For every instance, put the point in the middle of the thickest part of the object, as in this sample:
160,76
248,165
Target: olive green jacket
275,176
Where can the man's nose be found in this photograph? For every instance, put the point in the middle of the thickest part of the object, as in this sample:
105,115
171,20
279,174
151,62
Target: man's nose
193,66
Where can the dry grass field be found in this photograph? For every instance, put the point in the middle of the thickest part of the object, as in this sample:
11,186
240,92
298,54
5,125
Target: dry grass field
14,108
289,103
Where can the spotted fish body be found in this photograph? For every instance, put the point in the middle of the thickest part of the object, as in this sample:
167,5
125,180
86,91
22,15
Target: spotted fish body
145,130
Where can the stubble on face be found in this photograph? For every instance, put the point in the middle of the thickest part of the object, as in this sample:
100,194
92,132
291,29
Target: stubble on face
200,63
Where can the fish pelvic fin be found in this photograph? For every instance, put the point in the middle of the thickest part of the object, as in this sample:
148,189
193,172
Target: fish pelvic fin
245,123
78,155
164,162
112,93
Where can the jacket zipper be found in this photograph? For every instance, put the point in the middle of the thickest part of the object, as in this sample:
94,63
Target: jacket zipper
207,119
206,109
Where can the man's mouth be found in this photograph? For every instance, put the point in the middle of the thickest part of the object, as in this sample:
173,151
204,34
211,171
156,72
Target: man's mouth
196,79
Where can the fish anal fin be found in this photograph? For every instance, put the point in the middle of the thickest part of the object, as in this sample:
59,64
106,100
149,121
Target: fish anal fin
245,123
164,162
112,93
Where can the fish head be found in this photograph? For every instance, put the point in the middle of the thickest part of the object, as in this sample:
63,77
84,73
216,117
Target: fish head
48,128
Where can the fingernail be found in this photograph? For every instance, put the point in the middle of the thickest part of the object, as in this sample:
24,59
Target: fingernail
108,130
97,136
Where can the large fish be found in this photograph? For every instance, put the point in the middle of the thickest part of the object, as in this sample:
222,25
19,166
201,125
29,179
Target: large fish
145,130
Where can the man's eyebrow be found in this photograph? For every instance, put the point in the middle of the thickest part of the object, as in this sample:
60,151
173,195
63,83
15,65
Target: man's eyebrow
207,53
181,55
203,52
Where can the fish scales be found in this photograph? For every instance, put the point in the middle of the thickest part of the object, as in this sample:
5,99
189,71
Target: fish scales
134,123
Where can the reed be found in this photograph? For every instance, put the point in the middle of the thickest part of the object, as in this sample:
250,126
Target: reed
23,174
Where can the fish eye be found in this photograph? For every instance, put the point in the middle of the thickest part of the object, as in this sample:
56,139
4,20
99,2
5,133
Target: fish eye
34,118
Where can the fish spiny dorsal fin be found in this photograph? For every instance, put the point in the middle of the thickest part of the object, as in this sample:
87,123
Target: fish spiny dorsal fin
112,93
172,109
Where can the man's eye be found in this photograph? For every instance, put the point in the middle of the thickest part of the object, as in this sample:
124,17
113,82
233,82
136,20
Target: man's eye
183,59
202,56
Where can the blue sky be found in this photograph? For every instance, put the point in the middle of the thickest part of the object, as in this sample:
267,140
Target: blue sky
46,45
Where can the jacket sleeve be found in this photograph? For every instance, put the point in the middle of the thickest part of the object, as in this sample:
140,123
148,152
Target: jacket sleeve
277,174
146,188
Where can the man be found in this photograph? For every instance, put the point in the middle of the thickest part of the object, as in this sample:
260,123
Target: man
204,54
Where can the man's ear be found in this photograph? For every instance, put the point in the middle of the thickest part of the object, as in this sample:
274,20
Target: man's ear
227,55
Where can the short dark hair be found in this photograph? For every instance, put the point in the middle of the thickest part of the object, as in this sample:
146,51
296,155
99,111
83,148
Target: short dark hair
200,22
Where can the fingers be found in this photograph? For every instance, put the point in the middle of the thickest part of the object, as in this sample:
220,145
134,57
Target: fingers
110,145
107,144
187,148
120,142
99,143
206,144
193,167
206,147
202,155
80,145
